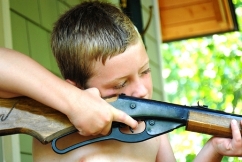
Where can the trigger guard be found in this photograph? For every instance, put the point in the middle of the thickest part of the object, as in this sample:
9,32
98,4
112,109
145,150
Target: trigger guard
153,128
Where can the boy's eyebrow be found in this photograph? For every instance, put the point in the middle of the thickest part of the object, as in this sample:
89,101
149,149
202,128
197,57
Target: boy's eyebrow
147,63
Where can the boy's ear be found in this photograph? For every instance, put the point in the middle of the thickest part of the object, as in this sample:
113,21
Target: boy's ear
73,83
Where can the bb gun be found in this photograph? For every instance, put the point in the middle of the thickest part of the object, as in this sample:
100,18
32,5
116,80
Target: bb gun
27,116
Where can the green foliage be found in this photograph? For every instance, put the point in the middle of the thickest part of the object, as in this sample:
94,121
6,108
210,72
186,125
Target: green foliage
207,70
190,157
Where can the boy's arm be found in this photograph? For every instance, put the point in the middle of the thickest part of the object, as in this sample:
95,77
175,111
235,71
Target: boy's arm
4,94
208,154
165,152
88,112
216,147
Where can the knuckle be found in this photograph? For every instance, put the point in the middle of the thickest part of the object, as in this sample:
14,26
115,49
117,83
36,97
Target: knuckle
108,118
122,117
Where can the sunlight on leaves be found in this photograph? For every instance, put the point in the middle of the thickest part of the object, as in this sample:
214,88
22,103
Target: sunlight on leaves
208,70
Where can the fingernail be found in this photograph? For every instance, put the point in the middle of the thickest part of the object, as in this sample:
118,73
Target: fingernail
234,122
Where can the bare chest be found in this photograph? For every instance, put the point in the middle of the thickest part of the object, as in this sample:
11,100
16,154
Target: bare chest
105,151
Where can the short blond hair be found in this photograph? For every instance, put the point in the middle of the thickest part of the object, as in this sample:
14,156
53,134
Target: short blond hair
89,32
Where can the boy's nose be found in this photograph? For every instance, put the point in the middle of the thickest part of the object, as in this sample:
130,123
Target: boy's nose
139,89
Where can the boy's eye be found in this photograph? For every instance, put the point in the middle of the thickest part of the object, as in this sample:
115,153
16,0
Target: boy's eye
121,85
146,71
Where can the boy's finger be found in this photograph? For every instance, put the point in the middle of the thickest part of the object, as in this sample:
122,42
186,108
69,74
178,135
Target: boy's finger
106,130
235,131
120,116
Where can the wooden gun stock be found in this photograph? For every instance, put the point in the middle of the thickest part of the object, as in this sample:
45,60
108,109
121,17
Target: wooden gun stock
215,125
27,116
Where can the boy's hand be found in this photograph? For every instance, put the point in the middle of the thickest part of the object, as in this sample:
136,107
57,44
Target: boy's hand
216,147
229,147
92,115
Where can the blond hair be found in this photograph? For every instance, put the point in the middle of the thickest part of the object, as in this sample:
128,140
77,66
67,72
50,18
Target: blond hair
89,32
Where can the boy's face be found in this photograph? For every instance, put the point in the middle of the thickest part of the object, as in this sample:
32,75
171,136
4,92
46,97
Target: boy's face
127,73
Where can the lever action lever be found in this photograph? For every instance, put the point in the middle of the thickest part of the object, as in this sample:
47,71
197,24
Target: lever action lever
153,128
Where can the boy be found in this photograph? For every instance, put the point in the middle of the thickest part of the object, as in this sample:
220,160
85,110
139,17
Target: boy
96,45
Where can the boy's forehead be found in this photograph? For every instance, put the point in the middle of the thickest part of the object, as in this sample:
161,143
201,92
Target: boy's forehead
133,54
121,65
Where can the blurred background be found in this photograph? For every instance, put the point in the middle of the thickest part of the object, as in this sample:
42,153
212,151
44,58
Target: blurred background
205,69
